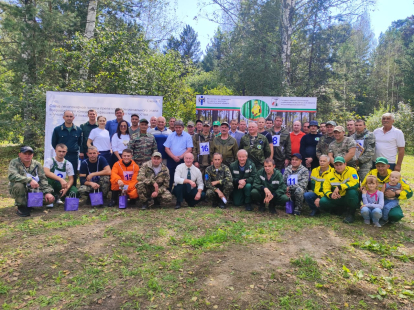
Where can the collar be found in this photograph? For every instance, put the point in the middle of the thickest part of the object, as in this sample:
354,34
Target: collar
156,128
58,160
62,127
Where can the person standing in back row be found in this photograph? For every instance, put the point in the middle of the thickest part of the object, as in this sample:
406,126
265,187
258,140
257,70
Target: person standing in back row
261,122
281,144
86,130
224,145
201,151
308,146
295,137
256,146
142,144
112,125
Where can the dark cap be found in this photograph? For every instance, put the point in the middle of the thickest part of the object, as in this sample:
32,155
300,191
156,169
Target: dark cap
134,115
225,123
297,155
314,123
25,149
199,121
143,120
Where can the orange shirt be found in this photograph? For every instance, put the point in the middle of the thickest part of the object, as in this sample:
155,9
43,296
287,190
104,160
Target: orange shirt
295,141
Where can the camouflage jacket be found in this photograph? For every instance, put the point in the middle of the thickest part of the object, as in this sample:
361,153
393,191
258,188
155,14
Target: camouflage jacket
142,146
203,160
302,179
222,174
322,148
275,184
342,148
249,172
146,175
369,146
283,151
258,149
17,174
227,148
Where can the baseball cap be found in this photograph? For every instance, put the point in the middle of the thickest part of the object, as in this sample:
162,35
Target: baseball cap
143,120
199,121
206,124
216,123
134,115
158,154
225,123
190,123
313,123
381,160
339,128
297,155
331,123
25,149
339,159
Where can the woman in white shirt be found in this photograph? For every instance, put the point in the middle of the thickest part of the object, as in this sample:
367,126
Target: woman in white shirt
100,139
120,140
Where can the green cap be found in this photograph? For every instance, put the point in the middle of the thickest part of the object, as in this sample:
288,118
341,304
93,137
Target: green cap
339,159
216,123
143,120
381,160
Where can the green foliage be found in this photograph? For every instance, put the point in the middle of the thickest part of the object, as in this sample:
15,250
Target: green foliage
308,268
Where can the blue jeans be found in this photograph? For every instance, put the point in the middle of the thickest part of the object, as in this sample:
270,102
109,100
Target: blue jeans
310,198
371,213
388,205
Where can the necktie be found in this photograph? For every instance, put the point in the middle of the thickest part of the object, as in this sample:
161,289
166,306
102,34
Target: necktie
189,174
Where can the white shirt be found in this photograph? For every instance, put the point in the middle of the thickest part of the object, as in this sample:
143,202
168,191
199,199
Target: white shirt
156,131
181,174
69,168
100,139
118,145
387,144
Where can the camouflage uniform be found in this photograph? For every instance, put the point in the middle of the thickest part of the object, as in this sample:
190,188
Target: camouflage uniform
365,160
227,148
142,146
104,186
342,148
226,186
18,180
203,160
283,151
257,148
146,179
297,190
322,148
241,196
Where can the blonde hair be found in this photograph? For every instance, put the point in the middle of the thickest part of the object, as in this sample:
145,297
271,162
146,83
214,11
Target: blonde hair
396,174
372,179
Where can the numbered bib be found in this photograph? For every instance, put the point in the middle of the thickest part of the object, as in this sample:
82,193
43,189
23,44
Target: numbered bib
360,142
60,174
128,175
205,148
36,178
276,140
125,187
292,180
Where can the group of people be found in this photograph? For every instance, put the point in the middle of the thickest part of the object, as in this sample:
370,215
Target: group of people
260,162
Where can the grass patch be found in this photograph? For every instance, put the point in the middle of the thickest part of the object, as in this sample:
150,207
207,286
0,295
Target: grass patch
308,268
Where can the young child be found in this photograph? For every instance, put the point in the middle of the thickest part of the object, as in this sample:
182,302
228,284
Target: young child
373,200
391,190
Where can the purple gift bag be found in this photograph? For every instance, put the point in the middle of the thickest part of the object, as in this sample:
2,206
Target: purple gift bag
71,203
96,198
35,199
290,206
123,200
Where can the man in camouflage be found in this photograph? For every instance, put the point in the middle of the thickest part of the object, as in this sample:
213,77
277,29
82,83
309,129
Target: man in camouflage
153,182
25,174
219,183
206,137
225,145
281,144
366,140
342,146
296,178
243,172
142,144
256,145
322,148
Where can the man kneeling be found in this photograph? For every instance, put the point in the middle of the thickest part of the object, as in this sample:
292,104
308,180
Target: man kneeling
219,182
269,188
153,182
94,174
124,178
341,190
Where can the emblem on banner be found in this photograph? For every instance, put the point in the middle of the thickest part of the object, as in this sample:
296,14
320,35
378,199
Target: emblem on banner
254,109
201,100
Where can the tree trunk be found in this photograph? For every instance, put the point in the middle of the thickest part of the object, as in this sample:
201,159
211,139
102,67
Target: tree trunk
89,29
288,10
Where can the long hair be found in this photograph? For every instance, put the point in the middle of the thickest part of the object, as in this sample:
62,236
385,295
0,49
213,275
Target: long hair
118,129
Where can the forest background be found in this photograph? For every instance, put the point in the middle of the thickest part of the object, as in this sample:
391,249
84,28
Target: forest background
324,49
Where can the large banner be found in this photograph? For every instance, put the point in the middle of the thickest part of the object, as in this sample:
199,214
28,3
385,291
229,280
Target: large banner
249,108
105,104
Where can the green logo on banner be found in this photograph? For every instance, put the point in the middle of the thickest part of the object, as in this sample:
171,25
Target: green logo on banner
255,108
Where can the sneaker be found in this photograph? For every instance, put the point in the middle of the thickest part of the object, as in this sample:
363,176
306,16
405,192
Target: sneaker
59,201
350,218
377,224
248,207
368,222
383,222
144,207
315,212
49,206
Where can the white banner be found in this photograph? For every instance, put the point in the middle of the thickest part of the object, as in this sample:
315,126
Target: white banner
105,104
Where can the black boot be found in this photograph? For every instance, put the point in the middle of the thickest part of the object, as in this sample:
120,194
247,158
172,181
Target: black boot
114,199
177,205
248,207
23,211
350,217
262,207
222,205
272,208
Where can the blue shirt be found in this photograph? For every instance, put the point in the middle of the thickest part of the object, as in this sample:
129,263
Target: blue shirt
178,144
112,126
87,168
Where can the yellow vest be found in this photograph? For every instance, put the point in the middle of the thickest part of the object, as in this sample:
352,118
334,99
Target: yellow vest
319,179
348,179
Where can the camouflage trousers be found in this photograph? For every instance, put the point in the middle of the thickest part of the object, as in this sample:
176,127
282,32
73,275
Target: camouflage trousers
297,196
226,189
19,191
145,191
104,186
363,170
